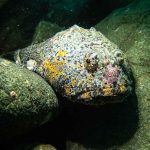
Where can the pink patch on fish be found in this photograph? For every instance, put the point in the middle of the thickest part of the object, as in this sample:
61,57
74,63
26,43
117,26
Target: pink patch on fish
111,74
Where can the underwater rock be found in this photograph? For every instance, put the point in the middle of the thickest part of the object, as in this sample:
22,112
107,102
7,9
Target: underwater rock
66,12
10,36
2,2
18,20
80,64
140,140
125,25
81,12
26,100
25,144
34,146
45,30
44,147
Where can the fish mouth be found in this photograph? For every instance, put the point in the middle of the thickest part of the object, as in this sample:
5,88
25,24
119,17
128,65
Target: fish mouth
106,91
85,95
98,100
105,95
89,95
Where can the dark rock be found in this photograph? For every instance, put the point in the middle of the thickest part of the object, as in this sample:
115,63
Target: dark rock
82,12
125,26
26,100
44,147
34,146
45,30
18,20
2,2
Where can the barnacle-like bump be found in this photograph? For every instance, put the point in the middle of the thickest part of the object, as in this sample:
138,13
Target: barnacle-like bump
86,96
91,62
13,94
31,64
122,88
108,90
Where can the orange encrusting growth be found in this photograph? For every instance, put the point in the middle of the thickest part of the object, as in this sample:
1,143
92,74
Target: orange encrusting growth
61,53
122,88
86,96
52,71
54,68
108,90
67,89
73,82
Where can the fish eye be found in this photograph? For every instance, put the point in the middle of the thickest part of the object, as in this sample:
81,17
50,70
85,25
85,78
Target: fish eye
88,61
119,57
118,54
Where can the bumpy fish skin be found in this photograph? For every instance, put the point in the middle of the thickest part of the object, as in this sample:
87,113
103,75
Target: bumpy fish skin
80,64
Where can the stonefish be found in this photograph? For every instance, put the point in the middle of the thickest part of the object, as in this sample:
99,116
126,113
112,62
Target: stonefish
81,65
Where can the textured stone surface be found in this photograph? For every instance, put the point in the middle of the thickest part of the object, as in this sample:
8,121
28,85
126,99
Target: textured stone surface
141,138
26,100
126,25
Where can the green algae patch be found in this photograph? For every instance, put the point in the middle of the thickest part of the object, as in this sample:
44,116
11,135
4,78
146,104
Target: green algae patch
26,100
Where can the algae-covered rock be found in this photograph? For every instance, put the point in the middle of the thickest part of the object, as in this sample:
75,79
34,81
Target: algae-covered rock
45,30
34,146
44,147
140,140
125,25
26,100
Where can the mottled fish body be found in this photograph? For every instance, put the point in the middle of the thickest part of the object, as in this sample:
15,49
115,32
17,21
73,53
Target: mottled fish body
81,65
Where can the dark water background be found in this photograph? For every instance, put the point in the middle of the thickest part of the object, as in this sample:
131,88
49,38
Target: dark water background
19,18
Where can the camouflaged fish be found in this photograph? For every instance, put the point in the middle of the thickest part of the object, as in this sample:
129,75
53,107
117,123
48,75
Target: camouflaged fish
81,65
